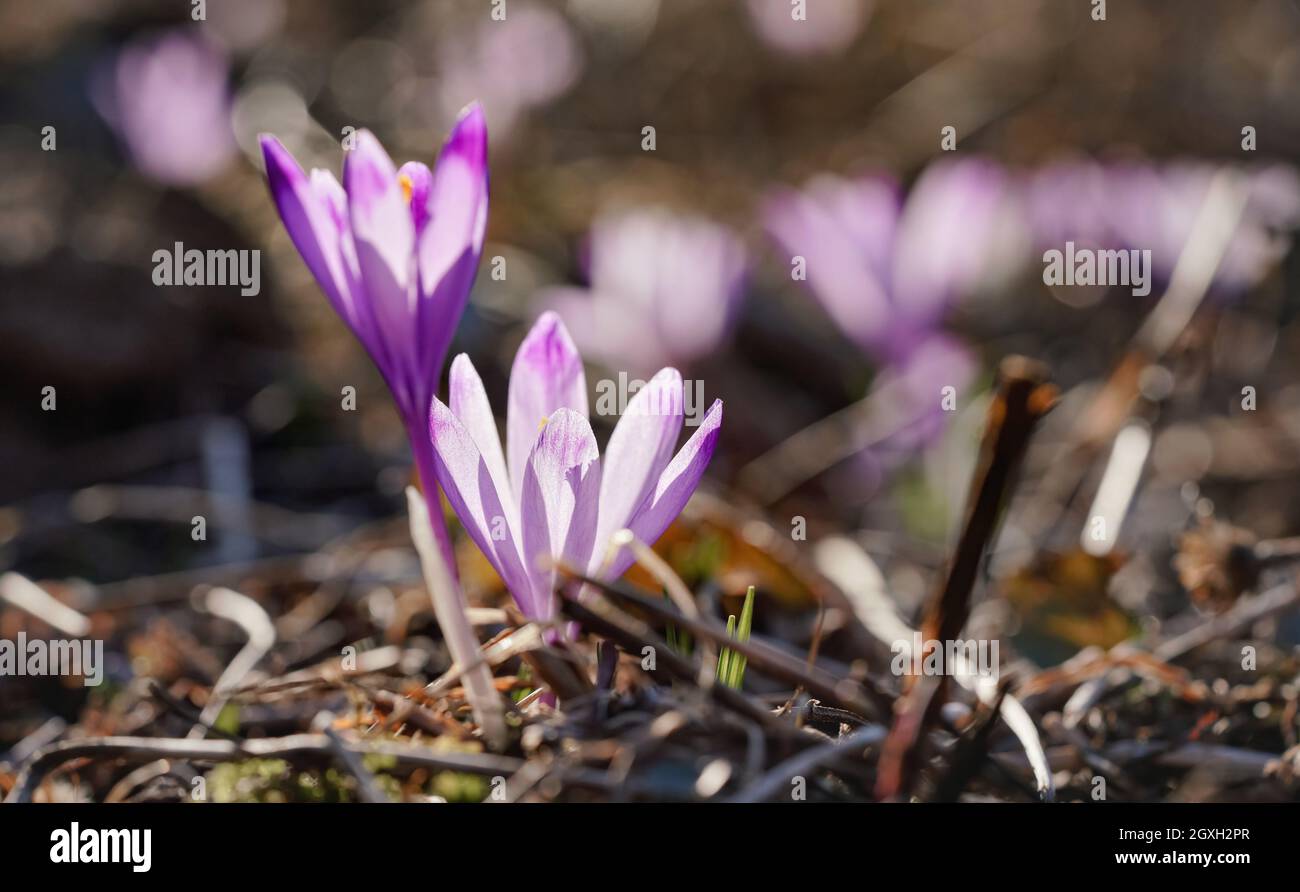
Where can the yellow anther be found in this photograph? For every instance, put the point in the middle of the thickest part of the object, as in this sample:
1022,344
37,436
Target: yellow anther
541,427
405,182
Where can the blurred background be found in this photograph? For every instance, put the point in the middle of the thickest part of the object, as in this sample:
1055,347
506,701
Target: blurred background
773,138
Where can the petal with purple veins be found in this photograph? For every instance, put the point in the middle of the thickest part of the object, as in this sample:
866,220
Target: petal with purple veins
637,453
312,225
466,479
674,488
559,500
546,376
384,236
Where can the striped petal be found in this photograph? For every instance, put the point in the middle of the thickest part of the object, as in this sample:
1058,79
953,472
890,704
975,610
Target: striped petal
547,375
559,501
637,453
674,487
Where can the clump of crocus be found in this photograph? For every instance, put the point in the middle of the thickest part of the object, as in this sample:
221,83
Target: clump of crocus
663,289
395,251
168,97
550,495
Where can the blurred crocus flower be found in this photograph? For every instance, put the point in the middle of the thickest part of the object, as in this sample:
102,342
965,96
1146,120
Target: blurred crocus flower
395,251
1154,207
663,290
816,26
550,493
511,65
168,98
887,270
1070,200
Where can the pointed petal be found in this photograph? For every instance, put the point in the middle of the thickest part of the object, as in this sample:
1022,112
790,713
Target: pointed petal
469,403
416,181
457,200
487,516
844,231
312,224
638,451
674,488
384,235
547,375
559,501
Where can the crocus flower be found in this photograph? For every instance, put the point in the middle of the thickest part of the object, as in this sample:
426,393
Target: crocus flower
168,98
663,290
550,493
525,60
1154,207
886,270
395,252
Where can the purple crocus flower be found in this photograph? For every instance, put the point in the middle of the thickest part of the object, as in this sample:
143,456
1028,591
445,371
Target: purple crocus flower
663,290
168,98
1155,207
526,60
550,493
395,251
884,269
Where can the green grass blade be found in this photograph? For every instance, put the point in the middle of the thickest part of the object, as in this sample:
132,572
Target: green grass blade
742,634
725,656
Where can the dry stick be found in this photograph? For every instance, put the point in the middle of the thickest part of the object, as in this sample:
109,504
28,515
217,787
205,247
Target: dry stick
849,567
599,616
780,777
246,613
26,595
349,758
971,751
864,699
249,616
681,596
1244,614
449,609
1024,397
1193,274
310,745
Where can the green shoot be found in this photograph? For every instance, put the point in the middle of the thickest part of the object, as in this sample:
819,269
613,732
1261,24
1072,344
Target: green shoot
731,665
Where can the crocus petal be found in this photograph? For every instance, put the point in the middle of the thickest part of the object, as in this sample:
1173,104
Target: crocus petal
469,403
828,226
457,201
674,487
637,453
559,500
465,478
311,226
945,236
384,235
416,181
547,375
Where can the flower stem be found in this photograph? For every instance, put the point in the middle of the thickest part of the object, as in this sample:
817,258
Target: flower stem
422,449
